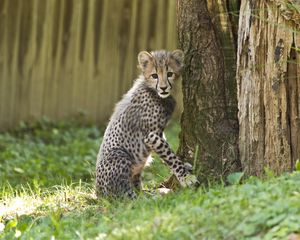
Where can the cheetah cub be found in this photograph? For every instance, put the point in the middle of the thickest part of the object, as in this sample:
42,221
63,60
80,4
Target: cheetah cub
136,128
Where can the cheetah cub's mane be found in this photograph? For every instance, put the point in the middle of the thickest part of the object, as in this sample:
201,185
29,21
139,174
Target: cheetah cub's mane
159,70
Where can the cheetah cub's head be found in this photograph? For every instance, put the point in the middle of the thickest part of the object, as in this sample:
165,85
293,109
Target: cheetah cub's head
160,69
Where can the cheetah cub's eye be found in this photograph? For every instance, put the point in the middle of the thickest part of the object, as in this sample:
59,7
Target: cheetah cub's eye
154,75
169,74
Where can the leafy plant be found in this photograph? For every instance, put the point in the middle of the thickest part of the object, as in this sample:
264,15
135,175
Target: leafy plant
48,154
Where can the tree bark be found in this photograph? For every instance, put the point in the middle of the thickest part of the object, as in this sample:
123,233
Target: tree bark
209,121
268,78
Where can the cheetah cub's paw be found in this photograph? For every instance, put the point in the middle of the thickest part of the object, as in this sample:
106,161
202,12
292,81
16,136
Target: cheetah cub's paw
188,179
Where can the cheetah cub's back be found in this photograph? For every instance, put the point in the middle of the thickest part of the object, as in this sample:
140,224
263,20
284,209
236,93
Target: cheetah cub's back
136,128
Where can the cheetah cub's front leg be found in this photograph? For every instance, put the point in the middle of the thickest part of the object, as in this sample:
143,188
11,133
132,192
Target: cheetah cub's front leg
181,170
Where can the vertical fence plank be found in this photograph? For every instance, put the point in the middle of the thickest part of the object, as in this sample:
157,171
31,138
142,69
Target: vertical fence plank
44,57
51,45
36,68
3,67
26,49
13,36
127,44
100,81
144,22
171,31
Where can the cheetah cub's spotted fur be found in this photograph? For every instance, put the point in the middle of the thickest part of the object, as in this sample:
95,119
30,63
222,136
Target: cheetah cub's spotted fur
136,128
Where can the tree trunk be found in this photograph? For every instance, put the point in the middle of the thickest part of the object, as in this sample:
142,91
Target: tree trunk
268,78
209,120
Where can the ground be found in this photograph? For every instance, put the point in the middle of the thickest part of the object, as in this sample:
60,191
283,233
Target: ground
47,192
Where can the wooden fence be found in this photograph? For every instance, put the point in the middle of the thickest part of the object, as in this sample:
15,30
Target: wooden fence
62,58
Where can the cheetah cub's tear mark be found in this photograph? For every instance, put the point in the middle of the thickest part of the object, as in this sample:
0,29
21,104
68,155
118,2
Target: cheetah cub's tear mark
136,128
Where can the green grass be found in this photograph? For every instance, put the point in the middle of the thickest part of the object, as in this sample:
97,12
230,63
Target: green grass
51,196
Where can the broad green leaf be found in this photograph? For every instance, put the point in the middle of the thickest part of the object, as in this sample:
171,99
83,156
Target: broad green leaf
11,224
297,165
18,170
235,178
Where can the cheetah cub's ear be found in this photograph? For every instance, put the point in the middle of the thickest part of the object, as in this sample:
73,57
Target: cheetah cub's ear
176,60
145,62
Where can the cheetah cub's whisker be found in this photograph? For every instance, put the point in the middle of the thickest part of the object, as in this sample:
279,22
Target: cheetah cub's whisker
136,128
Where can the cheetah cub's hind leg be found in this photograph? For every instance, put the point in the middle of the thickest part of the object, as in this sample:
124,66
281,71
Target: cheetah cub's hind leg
181,170
117,179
